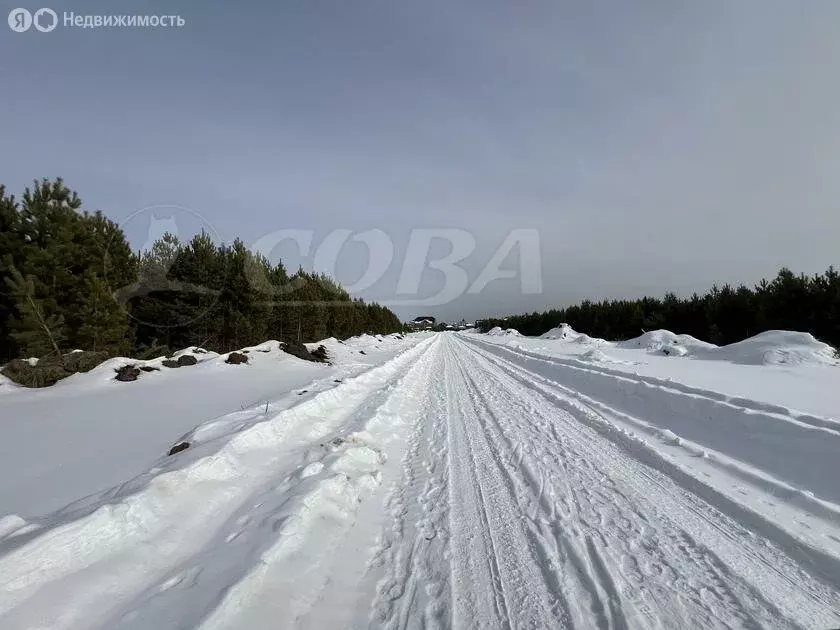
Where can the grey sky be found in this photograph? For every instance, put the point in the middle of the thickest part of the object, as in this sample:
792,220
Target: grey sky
655,145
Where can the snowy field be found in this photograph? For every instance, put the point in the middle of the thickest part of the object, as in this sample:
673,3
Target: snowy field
438,480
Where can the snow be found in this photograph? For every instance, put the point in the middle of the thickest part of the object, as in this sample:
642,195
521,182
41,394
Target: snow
437,480
594,355
89,432
10,524
776,347
773,347
503,332
7,385
657,339
784,368
565,332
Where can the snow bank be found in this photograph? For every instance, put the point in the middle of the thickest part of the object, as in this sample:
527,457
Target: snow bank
776,347
594,355
10,524
664,342
773,347
564,332
89,431
584,339
501,332
656,340
8,385
353,350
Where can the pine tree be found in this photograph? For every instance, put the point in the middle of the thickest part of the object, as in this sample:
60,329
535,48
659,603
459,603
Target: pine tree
723,315
63,246
37,331
104,322
12,248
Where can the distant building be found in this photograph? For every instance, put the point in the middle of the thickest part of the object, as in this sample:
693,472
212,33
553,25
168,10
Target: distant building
422,323
426,322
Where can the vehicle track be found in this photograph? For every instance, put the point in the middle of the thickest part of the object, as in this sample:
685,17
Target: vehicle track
677,559
452,487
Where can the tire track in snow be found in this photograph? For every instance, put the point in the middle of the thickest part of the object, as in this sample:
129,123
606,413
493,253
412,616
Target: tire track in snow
512,504
414,590
490,568
308,577
568,567
91,570
713,420
490,543
755,572
774,411
801,545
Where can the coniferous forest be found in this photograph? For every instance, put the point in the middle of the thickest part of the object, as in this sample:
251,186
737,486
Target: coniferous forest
71,281
722,315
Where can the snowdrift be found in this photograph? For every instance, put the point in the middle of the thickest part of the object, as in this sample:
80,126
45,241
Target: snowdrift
665,342
595,355
776,347
500,332
565,332
8,385
773,347
354,349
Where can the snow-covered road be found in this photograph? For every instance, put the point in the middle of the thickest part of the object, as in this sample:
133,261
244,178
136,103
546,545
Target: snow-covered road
462,484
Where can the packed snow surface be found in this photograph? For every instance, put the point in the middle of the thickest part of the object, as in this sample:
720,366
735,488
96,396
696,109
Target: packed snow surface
429,481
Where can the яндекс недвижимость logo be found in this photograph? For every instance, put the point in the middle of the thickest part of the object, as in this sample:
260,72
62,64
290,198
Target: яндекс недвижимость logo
44,20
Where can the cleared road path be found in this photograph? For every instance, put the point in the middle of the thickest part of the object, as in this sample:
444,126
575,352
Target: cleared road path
454,486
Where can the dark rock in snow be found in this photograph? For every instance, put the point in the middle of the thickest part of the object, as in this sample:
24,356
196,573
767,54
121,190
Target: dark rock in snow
320,354
170,363
187,359
235,358
149,368
181,446
302,352
127,373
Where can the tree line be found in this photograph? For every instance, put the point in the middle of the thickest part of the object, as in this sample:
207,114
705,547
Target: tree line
723,315
72,281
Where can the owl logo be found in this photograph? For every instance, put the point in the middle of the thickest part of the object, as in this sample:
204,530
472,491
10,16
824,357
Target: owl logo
157,228
154,276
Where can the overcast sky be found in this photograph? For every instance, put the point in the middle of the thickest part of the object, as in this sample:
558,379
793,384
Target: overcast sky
651,145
